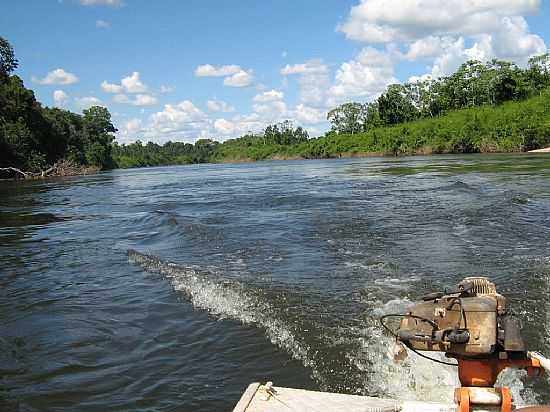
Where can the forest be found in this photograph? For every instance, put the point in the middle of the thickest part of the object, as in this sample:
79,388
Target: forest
494,106
39,140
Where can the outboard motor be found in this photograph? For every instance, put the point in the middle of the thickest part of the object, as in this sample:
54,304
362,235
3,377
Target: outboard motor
473,326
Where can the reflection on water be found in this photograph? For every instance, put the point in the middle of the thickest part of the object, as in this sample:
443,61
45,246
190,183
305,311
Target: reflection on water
173,288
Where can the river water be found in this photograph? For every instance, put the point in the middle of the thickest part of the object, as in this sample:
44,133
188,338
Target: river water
172,289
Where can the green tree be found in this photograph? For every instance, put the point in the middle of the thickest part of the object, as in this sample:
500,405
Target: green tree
373,116
283,133
98,136
396,106
538,73
8,62
348,118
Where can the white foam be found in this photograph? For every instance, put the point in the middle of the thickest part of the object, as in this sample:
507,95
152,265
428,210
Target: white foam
225,300
416,378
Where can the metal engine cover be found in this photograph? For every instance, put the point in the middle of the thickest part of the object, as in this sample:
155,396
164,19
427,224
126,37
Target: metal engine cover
479,317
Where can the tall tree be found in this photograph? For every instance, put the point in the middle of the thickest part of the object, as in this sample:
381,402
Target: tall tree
98,129
348,118
538,73
395,106
8,62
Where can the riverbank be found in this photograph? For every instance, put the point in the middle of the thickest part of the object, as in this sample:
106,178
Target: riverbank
427,151
59,169
81,170
510,127
514,126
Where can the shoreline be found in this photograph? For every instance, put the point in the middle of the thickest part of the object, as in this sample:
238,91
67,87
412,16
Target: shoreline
62,168
365,155
74,170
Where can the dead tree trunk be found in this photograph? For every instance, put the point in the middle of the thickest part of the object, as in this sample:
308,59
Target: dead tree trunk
16,171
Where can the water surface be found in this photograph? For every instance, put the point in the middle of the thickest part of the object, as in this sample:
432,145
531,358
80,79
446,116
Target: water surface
171,289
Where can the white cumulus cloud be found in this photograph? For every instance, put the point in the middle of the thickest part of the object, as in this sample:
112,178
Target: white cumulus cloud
219,106
144,100
405,20
60,98
130,84
512,42
130,131
313,66
313,80
239,125
269,96
309,115
111,87
234,75
88,101
182,121
224,126
364,77
271,112
240,79
207,70
57,76
133,84
428,47
137,100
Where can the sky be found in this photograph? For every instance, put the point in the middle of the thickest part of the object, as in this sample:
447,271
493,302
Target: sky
182,70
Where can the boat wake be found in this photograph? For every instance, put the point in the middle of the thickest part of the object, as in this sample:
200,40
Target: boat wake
367,352
226,299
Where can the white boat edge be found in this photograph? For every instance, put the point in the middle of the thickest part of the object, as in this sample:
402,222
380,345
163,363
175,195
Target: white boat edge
267,398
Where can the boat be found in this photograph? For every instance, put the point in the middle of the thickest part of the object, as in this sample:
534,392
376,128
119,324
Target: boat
470,325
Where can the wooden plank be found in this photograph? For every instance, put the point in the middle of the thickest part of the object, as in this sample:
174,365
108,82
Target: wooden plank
300,400
257,399
247,397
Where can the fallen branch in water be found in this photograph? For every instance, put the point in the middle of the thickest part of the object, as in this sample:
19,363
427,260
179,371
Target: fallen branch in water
60,168
45,173
25,175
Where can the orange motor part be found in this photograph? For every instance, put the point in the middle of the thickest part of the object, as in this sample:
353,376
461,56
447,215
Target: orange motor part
484,372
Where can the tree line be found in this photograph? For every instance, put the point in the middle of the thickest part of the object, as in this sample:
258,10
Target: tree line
474,84
33,137
474,88
138,154
478,108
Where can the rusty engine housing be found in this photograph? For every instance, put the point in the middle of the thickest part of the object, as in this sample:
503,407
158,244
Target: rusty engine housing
471,322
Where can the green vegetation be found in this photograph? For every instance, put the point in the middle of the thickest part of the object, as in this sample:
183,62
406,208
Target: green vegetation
34,138
249,147
508,127
491,107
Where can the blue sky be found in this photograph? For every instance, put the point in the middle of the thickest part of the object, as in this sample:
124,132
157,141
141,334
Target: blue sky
183,70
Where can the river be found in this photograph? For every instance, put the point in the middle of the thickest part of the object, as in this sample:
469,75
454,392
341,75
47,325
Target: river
172,289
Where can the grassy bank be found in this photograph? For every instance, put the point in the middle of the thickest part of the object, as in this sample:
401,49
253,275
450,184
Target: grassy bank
509,127
514,126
